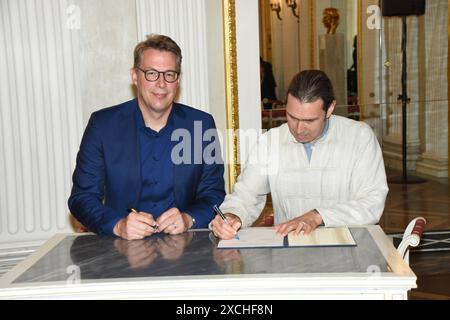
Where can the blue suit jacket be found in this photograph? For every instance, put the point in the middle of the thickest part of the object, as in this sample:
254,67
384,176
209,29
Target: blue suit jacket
107,178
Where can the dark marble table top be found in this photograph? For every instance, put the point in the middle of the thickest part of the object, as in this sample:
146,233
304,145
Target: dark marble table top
194,253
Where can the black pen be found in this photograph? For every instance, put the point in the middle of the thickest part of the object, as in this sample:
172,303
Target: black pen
154,227
220,213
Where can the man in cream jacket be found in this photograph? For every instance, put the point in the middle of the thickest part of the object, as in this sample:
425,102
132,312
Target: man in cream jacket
321,169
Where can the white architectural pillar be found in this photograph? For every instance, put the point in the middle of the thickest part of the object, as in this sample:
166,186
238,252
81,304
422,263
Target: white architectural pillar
305,33
369,68
278,62
247,47
392,142
40,112
435,96
290,46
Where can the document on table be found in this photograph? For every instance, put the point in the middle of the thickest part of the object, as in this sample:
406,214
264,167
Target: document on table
266,237
254,238
323,237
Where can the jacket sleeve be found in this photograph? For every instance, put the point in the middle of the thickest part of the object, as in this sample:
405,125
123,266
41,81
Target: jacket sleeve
368,188
210,189
86,199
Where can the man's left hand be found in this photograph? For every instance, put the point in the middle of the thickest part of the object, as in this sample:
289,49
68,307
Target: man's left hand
174,222
305,224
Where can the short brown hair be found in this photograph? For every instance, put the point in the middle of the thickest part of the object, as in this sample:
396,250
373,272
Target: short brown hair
310,85
157,42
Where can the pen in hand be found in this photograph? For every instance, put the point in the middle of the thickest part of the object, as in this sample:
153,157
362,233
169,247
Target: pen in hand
220,213
155,227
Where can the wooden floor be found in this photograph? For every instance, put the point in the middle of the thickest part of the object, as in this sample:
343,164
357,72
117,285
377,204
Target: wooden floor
405,202
430,200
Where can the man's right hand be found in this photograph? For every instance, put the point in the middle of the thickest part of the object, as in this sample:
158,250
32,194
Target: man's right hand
223,230
137,225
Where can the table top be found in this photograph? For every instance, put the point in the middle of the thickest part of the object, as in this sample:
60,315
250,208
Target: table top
194,254
87,266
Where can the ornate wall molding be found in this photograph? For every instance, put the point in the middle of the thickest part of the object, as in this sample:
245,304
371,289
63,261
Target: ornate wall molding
41,117
313,30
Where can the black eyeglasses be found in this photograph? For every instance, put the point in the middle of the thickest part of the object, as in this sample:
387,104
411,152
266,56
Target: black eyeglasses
152,75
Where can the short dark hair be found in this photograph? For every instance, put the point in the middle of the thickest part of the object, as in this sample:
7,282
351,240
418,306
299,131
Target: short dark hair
310,85
157,42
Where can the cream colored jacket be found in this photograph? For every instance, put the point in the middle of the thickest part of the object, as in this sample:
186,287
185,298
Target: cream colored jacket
345,180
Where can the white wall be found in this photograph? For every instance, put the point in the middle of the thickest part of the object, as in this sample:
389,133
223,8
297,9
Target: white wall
247,43
216,70
185,22
108,36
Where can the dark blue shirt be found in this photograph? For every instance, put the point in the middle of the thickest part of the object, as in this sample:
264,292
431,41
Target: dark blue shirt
157,194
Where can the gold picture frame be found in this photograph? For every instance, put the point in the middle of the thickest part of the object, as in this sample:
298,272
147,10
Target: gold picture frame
231,90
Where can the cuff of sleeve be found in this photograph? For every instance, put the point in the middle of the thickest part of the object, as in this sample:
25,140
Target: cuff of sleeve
325,221
196,221
237,213
108,227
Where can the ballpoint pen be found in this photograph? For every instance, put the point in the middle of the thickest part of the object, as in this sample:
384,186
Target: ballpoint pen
220,213
154,226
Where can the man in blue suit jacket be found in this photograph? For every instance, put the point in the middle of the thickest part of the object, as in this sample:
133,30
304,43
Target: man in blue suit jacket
148,165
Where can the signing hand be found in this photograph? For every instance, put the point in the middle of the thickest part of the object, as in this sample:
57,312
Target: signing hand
174,222
224,230
304,224
137,225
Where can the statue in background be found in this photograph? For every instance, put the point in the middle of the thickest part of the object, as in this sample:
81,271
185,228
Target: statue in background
331,19
332,56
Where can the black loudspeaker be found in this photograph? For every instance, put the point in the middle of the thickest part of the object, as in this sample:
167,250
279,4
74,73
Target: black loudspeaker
392,8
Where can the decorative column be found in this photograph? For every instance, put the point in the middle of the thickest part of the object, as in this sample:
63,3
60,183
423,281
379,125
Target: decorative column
278,53
290,44
332,61
434,42
306,33
40,117
392,141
